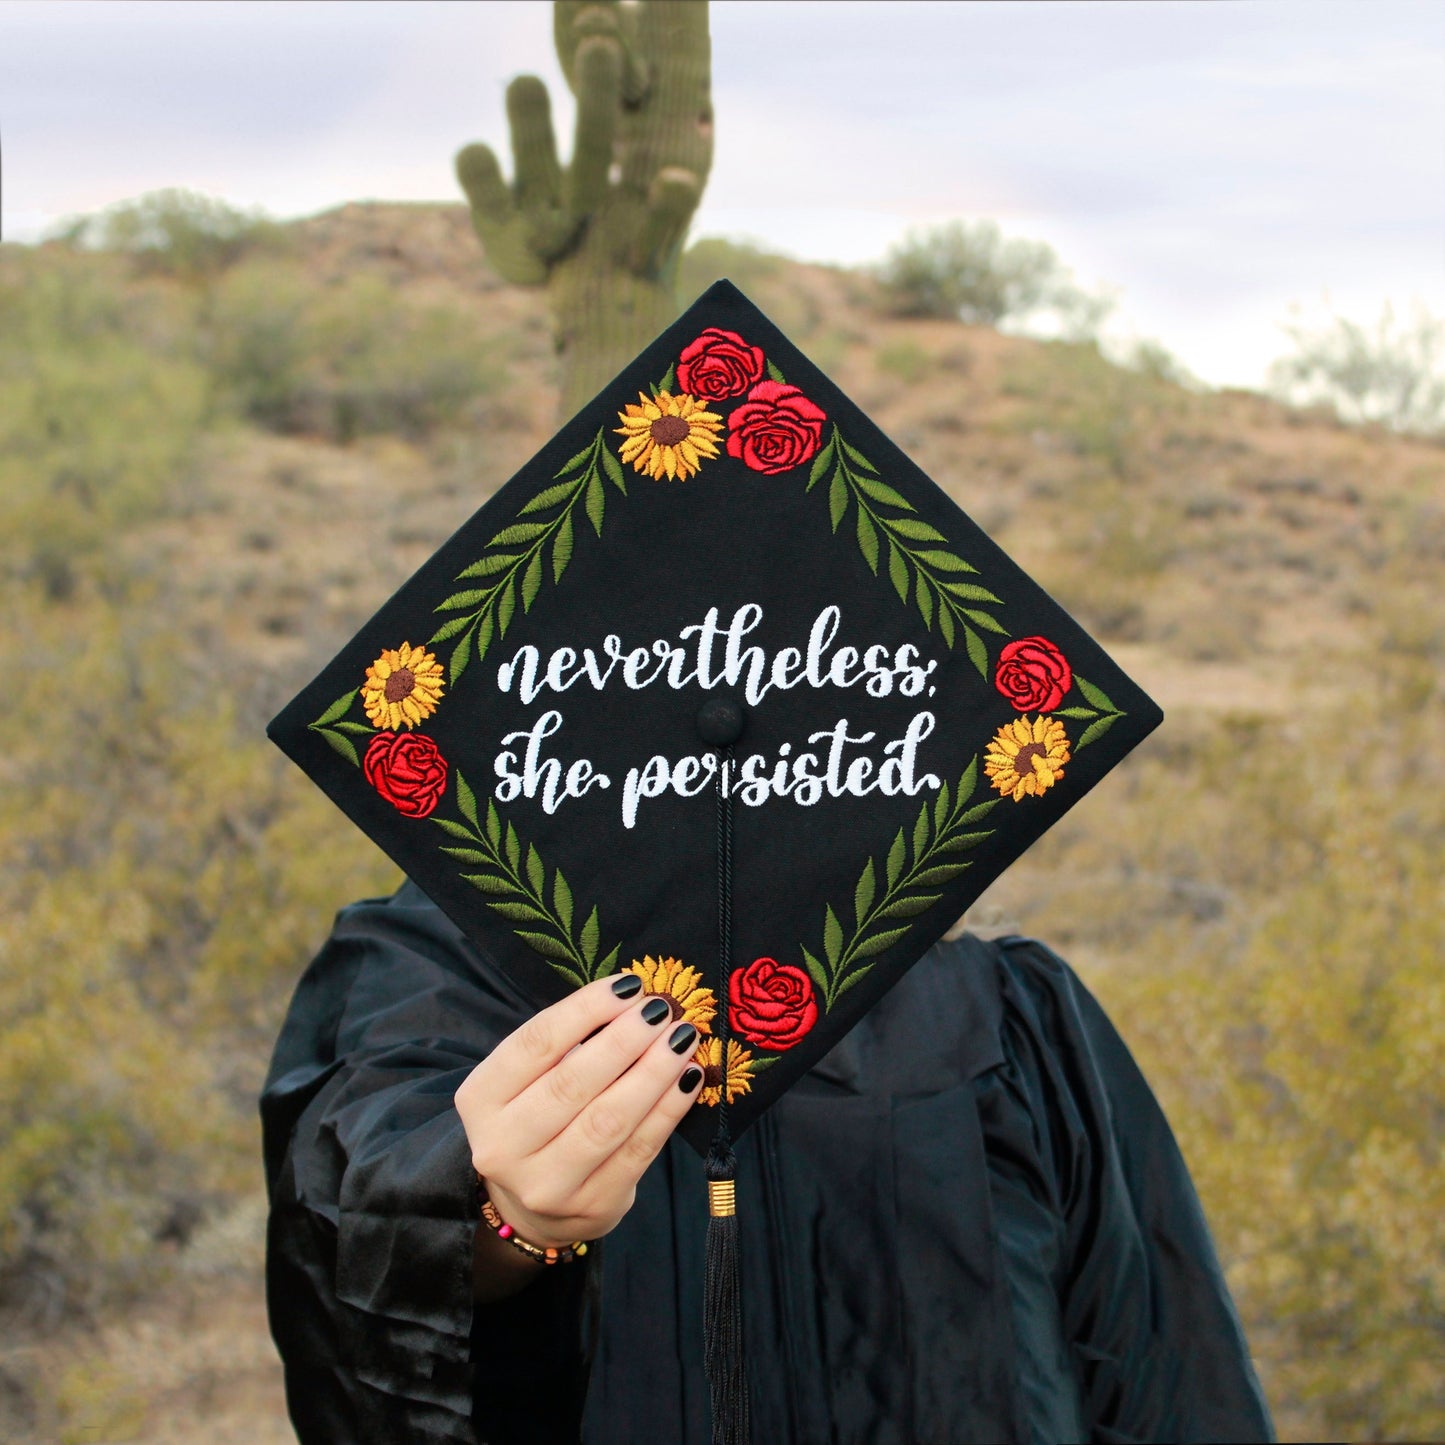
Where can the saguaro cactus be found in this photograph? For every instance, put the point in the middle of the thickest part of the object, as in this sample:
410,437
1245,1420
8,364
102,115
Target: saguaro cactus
603,235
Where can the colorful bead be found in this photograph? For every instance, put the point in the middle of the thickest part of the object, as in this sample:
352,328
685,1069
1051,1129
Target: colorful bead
557,1254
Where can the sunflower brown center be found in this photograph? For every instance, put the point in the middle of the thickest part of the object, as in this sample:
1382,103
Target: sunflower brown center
712,1076
400,684
1024,763
667,431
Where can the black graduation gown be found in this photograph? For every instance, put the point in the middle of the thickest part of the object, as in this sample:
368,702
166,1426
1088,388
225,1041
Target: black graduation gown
970,1222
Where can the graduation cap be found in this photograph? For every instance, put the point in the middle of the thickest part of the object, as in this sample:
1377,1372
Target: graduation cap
719,688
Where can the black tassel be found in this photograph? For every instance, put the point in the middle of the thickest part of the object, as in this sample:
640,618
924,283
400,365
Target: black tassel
722,1308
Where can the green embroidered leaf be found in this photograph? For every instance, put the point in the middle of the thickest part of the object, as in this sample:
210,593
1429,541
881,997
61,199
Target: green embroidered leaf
467,855
774,373
1077,712
550,496
897,853
591,932
945,623
466,801
977,652
596,503
879,943
532,581
669,380
920,834
837,497
971,592
607,964
923,595
909,907
484,635
355,729
486,567
461,655
1095,695
960,841
562,900
856,976
820,465
507,606
545,944
759,1062
816,972
520,912
1097,729
986,620
897,571
457,830
868,540
494,825
918,531
832,936
942,874
469,598
854,454
941,805
488,883
967,783
339,708
562,548
573,462
450,629
613,468
863,893
945,562
981,811
570,974
882,492
342,744
518,532
536,873
514,850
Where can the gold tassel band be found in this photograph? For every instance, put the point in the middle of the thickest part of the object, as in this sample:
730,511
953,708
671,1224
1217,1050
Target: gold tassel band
721,1198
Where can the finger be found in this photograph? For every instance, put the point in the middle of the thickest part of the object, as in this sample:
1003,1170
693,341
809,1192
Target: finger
543,1110
606,1126
528,1052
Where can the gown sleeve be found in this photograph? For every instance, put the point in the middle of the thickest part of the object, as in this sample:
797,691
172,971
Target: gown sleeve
373,1205
1114,1279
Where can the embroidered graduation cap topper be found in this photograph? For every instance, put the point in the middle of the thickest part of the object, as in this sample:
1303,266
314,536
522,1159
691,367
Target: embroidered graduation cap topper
718,627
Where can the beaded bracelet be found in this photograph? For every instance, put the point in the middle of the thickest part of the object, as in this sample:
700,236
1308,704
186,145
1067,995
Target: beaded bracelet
561,1254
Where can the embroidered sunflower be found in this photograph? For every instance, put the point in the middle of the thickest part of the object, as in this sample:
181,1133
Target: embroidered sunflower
709,1058
680,986
402,687
1027,757
668,434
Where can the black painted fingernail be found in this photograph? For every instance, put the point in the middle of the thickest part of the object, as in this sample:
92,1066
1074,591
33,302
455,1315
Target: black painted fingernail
684,1036
626,985
655,1009
690,1079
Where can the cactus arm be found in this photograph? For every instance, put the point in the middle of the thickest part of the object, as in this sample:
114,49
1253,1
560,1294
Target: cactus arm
537,175
503,233
671,199
598,70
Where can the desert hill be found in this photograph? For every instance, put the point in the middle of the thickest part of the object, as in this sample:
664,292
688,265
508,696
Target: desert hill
212,470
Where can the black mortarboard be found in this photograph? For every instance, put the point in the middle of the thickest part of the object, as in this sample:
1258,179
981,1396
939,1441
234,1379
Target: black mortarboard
720,557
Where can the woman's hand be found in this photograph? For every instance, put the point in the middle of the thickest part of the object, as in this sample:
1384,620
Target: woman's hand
566,1112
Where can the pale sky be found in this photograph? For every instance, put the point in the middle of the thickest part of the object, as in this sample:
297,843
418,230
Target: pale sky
1211,162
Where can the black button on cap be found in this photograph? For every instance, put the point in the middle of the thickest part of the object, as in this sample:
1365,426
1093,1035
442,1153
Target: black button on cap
720,721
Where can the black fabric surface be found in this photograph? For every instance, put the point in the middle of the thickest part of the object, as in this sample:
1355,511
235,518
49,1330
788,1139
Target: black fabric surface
968,1222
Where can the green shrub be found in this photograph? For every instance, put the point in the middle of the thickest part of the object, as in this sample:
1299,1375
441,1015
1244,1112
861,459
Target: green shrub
973,273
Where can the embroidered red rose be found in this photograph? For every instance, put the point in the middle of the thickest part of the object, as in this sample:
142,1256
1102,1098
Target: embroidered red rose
775,429
772,1003
407,770
719,364
1033,674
